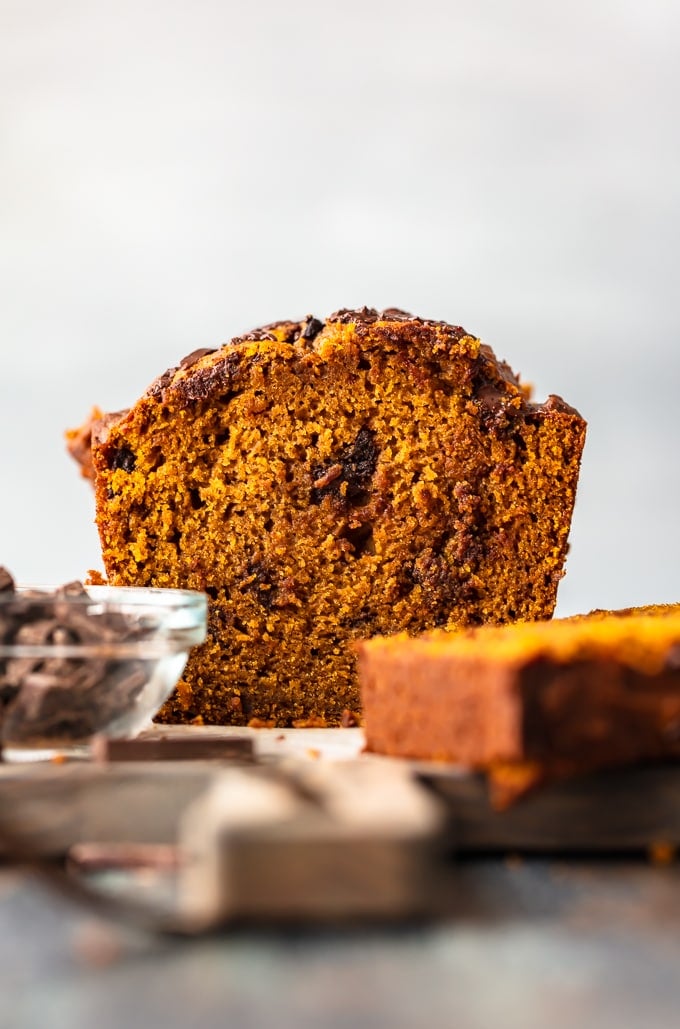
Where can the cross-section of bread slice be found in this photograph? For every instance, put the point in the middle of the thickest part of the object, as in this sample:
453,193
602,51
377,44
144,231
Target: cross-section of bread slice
326,481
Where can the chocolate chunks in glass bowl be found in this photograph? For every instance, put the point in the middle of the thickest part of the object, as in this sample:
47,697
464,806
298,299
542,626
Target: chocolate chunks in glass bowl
62,697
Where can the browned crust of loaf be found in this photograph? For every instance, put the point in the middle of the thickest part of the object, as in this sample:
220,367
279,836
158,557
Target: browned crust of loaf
211,371
216,370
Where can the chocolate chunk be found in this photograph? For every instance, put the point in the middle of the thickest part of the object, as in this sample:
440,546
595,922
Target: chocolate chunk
35,634
357,464
119,685
312,328
369,315
7,628
72,589
103,627
159,385
215,379
199,748
437,580
395,314
195,356
122,457
256,336
38,693
47,696
62,636
555,403
258,581
493,412
268,333
16,670
72,699
363,316
7,622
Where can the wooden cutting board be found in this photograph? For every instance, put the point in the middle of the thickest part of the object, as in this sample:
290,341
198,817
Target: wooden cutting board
52,806
303,825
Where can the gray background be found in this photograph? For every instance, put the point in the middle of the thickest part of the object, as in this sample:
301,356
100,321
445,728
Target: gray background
174,173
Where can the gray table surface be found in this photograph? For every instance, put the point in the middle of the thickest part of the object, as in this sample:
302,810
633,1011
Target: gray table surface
529,943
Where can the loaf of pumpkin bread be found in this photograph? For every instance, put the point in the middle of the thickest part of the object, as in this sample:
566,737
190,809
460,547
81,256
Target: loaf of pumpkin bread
327,481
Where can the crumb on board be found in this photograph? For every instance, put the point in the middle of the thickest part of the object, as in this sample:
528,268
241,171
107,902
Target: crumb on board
95,578
662,852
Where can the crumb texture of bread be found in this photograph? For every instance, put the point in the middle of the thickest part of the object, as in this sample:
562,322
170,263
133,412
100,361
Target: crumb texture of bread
371,474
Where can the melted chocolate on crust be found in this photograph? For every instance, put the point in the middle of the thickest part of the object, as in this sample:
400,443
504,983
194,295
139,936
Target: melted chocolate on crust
555,403
268,332
345,316
312,328
214,378
159,385
306,331
195,356
347,476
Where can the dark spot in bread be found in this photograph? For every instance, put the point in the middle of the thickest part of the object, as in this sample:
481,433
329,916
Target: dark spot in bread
123,458
349,475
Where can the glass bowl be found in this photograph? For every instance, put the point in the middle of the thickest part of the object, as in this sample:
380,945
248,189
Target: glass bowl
80,661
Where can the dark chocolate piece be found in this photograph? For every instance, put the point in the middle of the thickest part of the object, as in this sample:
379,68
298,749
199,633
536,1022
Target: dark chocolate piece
53,697
259,582
191,748
35,634
555,403
354,469
265,333
363,316
217,377
159,385
395,314
70,700
123,458
72,589
195,356
312,328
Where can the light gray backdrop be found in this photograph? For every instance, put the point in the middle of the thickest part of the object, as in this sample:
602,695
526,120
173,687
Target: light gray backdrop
174,173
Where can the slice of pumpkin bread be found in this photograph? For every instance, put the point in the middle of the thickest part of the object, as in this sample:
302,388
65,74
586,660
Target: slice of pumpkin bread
528,702
326,481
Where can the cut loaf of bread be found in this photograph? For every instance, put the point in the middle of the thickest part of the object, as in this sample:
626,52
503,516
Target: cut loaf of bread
328,481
